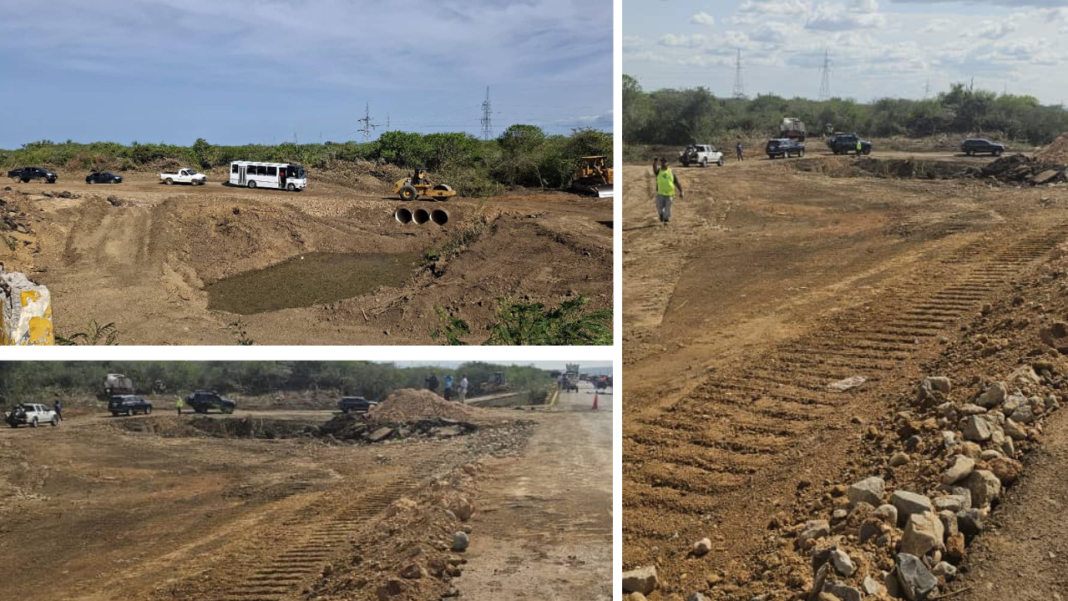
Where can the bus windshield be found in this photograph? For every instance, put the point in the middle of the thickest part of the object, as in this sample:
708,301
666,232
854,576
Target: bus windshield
295,171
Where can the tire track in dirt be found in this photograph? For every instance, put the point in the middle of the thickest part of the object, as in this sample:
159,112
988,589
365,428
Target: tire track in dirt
302,546
724,458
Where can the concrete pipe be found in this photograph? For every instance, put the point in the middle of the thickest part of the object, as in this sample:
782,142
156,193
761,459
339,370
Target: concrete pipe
439,216
421,216
403,216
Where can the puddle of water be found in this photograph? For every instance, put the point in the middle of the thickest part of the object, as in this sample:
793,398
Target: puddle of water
314,279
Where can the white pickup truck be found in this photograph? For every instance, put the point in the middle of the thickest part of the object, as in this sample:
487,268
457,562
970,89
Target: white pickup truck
184,176
31,414
700,154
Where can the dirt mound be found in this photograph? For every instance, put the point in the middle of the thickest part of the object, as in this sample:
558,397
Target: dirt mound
1019,169
1055,152
912,168
359,429
409,405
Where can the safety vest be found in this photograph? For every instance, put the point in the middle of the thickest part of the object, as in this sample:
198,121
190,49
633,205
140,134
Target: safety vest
665,183
860,145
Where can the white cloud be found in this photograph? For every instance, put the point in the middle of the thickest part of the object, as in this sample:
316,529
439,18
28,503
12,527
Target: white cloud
993,30
684,41
773,32
702,18
837,17
755,11
864,6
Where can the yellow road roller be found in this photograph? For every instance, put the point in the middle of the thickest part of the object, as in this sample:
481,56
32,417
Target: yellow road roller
412,188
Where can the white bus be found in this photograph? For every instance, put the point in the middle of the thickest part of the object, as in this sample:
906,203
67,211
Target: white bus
282,176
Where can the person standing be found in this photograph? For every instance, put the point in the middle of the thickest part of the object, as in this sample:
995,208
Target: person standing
860,147
432,383
667,183
179,405
448,387
463,390
738,149
58,408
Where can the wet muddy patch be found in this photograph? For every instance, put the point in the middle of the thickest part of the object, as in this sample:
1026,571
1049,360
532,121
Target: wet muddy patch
310,279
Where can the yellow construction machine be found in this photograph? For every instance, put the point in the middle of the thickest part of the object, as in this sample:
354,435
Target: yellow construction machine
594,177
411,188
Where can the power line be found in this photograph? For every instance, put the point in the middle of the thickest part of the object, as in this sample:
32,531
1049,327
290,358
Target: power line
825,80
487,123
739,83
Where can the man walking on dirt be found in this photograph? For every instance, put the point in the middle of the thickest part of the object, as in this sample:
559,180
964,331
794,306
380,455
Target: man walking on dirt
860,147
666,185
463,390
738,149
179,405
58,408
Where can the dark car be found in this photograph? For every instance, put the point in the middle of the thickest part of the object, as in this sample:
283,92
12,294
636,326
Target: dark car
784,147
25,174
355,404
974,146
203,401
128,404
103,177
847,144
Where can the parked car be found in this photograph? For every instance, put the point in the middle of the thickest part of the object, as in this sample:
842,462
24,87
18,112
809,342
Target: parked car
847,144
25,174
203,401
784,147
184,176
700,154
128,404
31,414
974,146
355,404
103,177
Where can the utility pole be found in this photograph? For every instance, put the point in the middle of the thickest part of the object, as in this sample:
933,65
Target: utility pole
739,82
368,127
387,121
295,141
825,80
927,89
487,122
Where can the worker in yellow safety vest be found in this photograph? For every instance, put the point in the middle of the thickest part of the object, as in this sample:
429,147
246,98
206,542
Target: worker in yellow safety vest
667,183
179,405
860,147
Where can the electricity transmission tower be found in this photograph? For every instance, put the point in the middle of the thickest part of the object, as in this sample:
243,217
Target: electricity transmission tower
368,127
927,90
825,80
739,83
487,123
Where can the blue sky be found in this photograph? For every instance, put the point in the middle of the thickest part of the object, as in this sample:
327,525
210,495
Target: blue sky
878,48
238,72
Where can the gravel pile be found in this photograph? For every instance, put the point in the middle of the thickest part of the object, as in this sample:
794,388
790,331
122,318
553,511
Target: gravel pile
409,405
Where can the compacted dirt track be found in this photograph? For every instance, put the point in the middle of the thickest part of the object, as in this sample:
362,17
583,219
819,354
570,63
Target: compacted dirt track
544,528
775,279
144,256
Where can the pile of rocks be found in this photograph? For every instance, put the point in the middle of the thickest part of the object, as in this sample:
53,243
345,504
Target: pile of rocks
357,428
908,542
1021,169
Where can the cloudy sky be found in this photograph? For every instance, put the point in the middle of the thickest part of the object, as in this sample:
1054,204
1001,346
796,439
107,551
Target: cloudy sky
234,71
878,48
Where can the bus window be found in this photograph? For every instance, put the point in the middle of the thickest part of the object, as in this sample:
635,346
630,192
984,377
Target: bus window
233,168
272,171
261,170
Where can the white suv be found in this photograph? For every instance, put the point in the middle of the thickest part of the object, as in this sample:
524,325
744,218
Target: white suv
32,414
700,154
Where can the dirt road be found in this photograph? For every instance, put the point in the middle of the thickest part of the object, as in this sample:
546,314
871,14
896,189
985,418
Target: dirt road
544,525
326,266
775,279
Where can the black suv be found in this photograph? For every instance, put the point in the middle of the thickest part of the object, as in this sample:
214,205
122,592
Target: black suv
103,177
847,144
355,404
25,174
204,400
784,147
974,146
128,404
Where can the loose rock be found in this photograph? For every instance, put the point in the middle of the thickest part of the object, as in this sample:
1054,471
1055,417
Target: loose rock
641,580
984,486
923,533
908,503
961,467
869,490
916,580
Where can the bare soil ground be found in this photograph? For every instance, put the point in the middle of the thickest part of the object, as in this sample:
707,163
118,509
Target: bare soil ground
775,279
144,259
140,508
